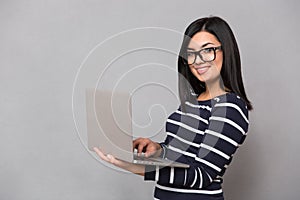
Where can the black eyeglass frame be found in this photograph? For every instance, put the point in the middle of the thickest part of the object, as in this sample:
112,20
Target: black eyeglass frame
198,53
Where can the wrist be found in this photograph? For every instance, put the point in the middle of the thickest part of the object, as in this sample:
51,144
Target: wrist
163,150
158,150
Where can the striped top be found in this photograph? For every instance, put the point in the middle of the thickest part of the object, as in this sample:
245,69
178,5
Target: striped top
205,136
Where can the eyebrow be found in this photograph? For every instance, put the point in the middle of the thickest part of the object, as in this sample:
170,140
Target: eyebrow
204,45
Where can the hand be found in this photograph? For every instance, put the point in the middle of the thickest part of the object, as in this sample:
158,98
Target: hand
147,146
109,158
137,169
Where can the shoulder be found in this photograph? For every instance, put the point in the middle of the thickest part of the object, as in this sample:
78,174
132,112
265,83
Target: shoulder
231,102
230,98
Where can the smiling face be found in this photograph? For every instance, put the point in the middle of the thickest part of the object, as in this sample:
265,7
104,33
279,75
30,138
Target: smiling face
205,71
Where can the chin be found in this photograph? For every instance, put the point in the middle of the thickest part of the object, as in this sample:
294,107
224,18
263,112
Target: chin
201,78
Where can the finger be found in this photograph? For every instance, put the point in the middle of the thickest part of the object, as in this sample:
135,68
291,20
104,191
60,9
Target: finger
136,142
115,161
139,144
141,147
150,150
101,154
111,159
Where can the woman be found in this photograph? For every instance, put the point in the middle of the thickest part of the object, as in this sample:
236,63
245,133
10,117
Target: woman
211,122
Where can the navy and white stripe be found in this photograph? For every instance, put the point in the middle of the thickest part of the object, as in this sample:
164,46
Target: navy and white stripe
205,136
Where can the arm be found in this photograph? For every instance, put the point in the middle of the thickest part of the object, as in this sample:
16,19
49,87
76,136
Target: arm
145,145
226,130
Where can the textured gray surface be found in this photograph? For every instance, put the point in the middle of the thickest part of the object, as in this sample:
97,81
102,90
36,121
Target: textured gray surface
43,44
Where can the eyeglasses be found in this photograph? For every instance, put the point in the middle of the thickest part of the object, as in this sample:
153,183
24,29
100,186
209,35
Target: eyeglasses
206,55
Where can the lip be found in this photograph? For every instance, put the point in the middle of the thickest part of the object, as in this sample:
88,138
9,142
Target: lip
201,70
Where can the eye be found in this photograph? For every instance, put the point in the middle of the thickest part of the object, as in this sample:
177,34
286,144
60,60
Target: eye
208,50
190,54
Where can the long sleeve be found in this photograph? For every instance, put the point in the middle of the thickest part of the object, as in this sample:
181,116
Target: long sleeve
205,137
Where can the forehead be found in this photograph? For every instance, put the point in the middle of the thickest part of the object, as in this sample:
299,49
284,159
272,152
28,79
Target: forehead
202,38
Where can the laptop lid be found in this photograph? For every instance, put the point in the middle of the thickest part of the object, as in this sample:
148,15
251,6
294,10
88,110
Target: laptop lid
109,124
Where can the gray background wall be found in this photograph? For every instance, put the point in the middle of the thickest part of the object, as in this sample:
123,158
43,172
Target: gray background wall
43,44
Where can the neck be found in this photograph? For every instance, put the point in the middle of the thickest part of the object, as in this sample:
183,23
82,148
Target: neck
212,90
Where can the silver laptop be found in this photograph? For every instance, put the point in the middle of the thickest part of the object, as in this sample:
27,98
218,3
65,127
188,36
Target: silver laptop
109,127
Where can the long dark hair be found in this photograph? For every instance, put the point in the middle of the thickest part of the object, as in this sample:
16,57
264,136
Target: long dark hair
231,73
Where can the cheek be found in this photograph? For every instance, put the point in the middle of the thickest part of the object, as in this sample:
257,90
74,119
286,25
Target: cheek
191,68
219,66
219,62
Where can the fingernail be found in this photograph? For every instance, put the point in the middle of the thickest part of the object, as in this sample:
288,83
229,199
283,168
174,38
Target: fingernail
109,156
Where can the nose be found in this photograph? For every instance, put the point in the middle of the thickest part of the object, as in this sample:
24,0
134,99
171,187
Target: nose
198,60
